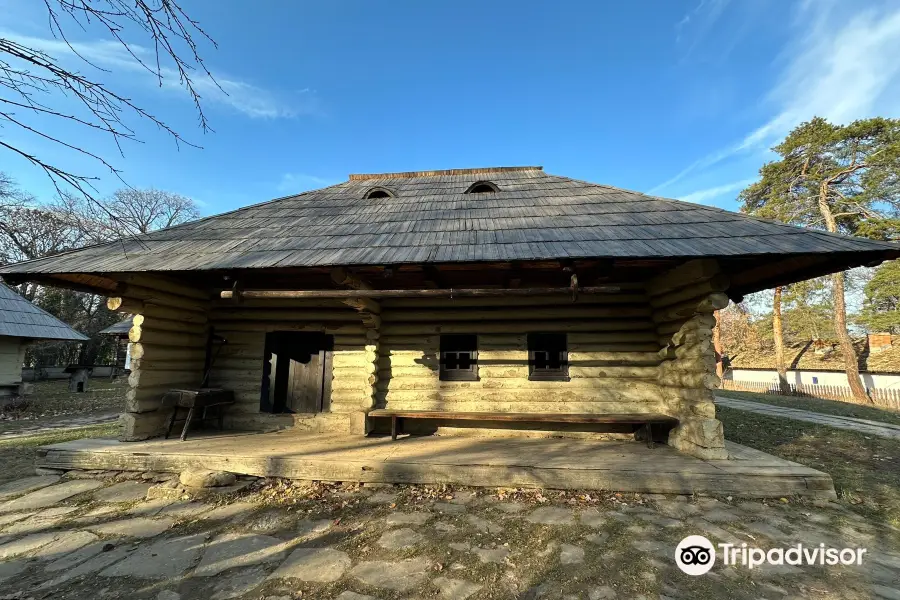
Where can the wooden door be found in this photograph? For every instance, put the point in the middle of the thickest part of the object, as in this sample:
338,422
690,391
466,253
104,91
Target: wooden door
304,393
297,374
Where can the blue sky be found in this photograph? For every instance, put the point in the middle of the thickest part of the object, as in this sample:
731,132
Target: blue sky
677,98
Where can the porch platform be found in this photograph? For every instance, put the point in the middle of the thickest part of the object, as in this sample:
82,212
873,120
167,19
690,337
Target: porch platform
625,466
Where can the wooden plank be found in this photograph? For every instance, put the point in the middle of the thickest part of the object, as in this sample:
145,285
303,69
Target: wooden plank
526,417
540,463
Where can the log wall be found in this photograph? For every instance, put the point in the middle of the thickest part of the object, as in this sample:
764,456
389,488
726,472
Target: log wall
168,340
683,302
612,343
646,349
239,364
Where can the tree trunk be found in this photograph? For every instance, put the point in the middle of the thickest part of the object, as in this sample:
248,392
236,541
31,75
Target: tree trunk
851,361
778,335
717,346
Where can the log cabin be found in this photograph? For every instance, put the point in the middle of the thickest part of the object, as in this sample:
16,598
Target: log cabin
493,301
22,323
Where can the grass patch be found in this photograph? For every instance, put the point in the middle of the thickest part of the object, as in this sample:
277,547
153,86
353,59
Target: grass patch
865,469
17,455
50,399
826,407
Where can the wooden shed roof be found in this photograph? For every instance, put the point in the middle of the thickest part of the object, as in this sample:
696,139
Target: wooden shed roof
21,318
428,218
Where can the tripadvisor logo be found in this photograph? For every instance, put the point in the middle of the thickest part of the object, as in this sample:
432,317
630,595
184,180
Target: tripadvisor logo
696,555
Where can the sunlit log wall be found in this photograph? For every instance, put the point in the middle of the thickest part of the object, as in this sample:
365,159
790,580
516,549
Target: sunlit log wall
613,352
168,340
683,302
644,349
239,365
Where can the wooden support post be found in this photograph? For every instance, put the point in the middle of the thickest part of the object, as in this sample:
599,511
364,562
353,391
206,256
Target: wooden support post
683,300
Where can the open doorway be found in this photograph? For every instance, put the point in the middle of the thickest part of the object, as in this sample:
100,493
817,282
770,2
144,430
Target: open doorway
297,372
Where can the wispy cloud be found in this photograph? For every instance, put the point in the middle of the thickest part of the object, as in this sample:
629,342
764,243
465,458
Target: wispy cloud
701,196
697,22
842,68
239,95
300,182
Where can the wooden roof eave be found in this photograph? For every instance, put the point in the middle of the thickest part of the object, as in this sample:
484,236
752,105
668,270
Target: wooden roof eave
79,282
791,269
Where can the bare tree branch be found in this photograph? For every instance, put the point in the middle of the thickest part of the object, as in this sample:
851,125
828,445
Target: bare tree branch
32,81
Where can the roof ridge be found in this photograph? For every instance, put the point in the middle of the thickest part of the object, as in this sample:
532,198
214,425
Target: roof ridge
411,174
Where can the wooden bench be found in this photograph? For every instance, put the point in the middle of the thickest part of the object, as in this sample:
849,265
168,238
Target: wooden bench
643,419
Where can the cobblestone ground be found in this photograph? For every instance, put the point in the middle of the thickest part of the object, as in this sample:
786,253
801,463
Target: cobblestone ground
94,535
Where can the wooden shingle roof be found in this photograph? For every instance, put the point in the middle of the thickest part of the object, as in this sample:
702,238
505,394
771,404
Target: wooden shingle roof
21,318
430,219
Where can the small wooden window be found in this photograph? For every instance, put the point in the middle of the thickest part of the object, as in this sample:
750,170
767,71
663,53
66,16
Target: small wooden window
459,358
548,357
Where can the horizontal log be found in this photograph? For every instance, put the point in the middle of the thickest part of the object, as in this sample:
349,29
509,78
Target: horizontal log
422,293
357,362
225,362
155,311
513,313
689,380
367,305
146,294
693,323
648,373
351,384
261,314
127,305
635,387
237,386
349,340
292,303
685,275
143,350
164,378
255,337
697,365
717,283
516,326
538,395
583,300
164,364
165,338
626,347
262,327
649,358
690,394
512,406
169,325
163,284
704,305
622,337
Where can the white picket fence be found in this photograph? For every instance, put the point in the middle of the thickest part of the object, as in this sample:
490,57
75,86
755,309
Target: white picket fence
887,397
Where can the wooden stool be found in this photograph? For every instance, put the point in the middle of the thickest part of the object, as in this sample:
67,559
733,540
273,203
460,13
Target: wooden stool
192,399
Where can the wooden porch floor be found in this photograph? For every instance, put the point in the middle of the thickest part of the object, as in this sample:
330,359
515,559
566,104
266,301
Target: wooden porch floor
625,466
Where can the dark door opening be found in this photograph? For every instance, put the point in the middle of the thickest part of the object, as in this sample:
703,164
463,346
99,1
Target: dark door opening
297,372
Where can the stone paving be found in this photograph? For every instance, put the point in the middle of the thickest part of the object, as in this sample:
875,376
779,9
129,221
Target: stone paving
865,426
71,538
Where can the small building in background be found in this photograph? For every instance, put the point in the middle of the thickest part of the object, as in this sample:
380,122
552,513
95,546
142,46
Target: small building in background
119,331
22,323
